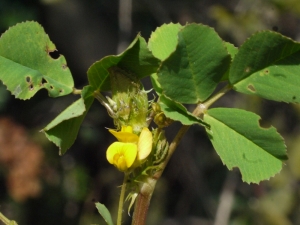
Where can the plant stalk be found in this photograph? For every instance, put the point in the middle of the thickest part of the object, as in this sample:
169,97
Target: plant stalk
143,201
121,200
7,221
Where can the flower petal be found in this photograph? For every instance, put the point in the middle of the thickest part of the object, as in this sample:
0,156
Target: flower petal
120,162
128,129
130,152
144,144
121,155
124,136
112,150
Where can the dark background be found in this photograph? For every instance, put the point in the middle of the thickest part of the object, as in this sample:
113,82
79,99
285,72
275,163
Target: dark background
37,186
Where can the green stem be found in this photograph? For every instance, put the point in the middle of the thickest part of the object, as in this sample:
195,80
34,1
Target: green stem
147,188
202,107
215,97
121,200
199,110
76,91
7,221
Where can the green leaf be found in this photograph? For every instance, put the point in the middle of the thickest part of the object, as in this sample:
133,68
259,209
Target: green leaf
155,84
26,65
232,50
240,142
104,213
163,40
178,112
63,130
267,65
136,59
193,71
162,43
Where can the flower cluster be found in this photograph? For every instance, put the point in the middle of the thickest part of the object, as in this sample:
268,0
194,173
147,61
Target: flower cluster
130,150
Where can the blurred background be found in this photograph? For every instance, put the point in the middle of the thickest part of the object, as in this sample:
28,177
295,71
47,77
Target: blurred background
37,186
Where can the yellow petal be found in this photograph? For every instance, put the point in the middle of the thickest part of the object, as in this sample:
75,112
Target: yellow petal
121,155
144,144
128,129
130,152
120,162
125,136
112,150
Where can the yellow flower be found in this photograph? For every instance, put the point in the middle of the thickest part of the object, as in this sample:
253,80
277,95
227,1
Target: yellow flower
129,148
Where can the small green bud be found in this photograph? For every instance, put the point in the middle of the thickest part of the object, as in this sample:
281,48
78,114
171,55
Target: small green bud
161,146
156,107
161,120
130,101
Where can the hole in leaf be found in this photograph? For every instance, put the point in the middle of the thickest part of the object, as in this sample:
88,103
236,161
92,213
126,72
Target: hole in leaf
251,88
51,87
43,82
64,66
61,90
28,79
31,87
54,54
264,124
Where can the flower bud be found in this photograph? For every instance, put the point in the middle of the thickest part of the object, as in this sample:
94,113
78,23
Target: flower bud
130,100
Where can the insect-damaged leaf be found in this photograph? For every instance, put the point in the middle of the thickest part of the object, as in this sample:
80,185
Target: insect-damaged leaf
268,65
241,142
26,65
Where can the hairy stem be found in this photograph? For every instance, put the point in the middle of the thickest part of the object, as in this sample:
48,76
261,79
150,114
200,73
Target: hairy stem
121,200
143,201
